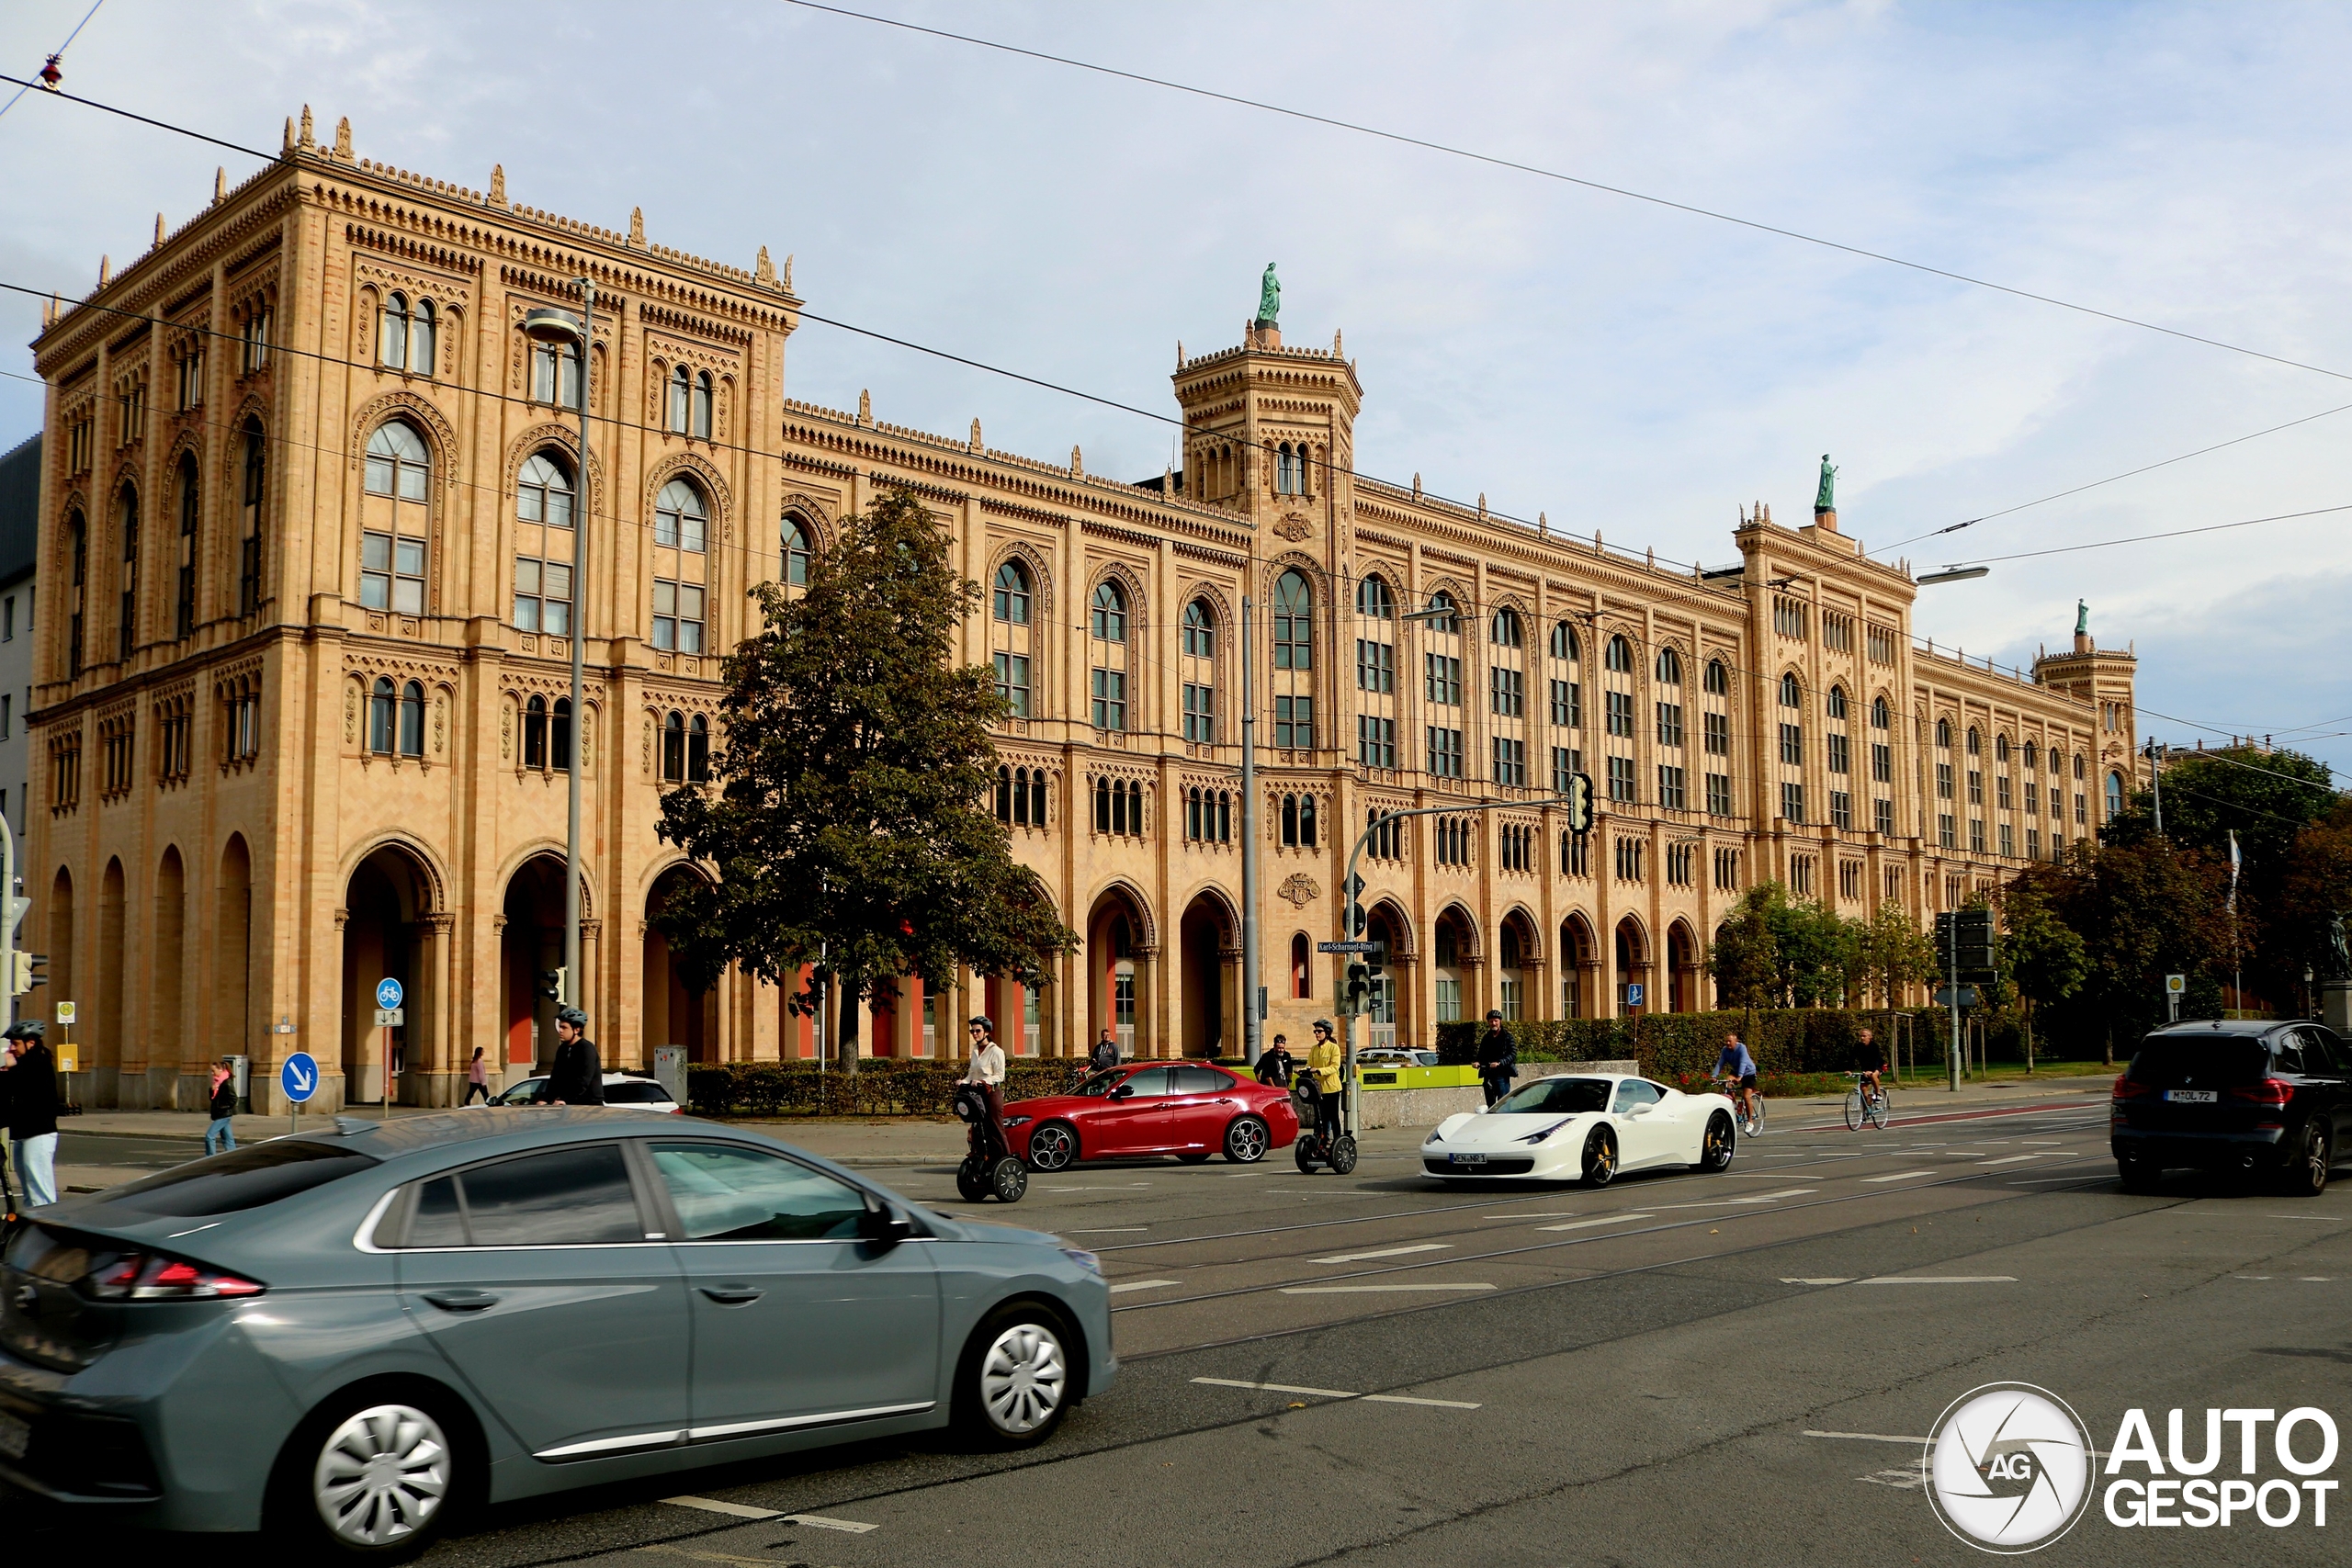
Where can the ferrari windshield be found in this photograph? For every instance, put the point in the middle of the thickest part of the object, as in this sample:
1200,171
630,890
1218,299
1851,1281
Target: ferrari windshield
1555,1097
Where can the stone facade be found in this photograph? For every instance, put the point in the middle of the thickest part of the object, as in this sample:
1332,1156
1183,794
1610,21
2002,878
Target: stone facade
303,712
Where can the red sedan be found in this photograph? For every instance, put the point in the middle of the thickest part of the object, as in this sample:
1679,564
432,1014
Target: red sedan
1190,1110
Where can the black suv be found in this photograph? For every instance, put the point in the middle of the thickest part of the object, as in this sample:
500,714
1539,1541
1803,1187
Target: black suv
2237,1097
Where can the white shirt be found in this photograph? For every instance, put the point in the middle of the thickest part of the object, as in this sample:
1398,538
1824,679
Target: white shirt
988,1065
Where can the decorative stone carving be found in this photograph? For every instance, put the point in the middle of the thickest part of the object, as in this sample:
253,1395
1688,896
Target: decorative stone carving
1298,890
1295,527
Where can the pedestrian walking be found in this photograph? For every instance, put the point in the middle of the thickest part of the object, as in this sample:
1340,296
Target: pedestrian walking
986,1071
1106,1051
1275,1065
1498,1057
32,1112
7,1184
477,1080
220,1136
576,1076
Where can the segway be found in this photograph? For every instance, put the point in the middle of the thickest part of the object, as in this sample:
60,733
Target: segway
991,1169
1312,1147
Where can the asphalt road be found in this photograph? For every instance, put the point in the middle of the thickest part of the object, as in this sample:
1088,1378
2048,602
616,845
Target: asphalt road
1681,1368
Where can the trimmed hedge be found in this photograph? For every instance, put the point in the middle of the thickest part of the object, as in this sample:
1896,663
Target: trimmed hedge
883,1087
1674,1046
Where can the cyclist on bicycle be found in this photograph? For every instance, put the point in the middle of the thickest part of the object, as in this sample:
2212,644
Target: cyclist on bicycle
1737,1065
1868,1062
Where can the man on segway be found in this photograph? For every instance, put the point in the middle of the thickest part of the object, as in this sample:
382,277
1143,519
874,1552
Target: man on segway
1318,1084
990,1169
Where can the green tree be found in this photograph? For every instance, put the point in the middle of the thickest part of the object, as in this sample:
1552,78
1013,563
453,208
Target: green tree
2141,911
1746,962
848,827
2040,953
1817,953
2317,886
1894,952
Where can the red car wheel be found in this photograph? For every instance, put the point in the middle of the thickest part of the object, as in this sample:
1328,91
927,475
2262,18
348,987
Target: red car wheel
1053,1147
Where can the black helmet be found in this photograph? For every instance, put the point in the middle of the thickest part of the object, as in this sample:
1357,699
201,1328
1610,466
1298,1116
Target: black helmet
1494,1015
26,1029
572,1016
986,1023
1324,1024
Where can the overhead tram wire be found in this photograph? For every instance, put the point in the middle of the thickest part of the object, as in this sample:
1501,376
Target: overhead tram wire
2145,539
1493,161
55,55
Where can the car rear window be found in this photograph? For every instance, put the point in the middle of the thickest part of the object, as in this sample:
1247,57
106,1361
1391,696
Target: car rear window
2168,1060
241,1178
639,1093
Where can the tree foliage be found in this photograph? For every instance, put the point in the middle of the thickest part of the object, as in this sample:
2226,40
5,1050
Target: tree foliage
848,827
2140,911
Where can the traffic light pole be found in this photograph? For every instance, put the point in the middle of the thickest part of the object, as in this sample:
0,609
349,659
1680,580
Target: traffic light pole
1952,1057
1252,1026
1578,801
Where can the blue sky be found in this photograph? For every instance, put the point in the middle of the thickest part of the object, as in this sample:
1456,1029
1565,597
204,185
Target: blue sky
1614,365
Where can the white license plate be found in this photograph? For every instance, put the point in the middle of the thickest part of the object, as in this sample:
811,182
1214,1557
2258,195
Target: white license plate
1469,1159
2190,1096
16,1437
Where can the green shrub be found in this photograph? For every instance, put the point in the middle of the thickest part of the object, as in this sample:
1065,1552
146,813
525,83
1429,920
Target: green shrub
1672,1046
883,1087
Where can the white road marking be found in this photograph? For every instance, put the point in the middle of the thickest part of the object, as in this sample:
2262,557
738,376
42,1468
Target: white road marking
1324,1192
1129,1186
818,1521
1839,1279
1370,1290
1143,1285
1904,1480
1867,1436
1604,1219
1771,1197
2330,1219
1942,1279
1899,1176
2009,1159
2314,1279
1111,1230
1385,1252
713,1506
1539,1214
1340,1394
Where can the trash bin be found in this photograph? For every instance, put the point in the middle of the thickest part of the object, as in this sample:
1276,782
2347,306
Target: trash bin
240,1071
670,1070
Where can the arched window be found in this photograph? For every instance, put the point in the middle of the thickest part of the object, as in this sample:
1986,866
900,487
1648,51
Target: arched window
1290,822
535,733
1307,821
681,389
1446,625
78,532
2033,756
1200,630
1199,644
1504,631
680,521
793,551
1109,624
2114,796
183,590
543,493
383,716
127,618
700,425
1294,622
1374,600
1669,667
1619,655
1791,693
1013,594
1286,481
2000,748
394,337
413,721
1836,702
673,747
249,520
559,735
1877,713
1943,735
699,749
392,539
1564,642
1976,742
422,338
555,374
1302,968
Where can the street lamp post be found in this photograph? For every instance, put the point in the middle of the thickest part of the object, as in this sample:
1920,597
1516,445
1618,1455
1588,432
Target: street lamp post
559,327
1252,1027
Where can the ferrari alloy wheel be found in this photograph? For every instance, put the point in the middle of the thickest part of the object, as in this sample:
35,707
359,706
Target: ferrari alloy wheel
1053,1147
1246,1140
1716,1149
1599,1158
1015,1379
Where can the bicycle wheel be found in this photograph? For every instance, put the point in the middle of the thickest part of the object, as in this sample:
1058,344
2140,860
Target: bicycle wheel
1856,1108
1878,1110
1756,1121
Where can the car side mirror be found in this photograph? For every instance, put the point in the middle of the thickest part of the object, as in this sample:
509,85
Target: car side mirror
1124,1091
883,1226
1642,1110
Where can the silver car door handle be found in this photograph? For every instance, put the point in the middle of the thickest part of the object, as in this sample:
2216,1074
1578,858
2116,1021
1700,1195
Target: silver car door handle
732,1295
461,1300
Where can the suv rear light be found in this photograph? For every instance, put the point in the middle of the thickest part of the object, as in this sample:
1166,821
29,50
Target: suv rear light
151,1277
2269,1091
2125,1089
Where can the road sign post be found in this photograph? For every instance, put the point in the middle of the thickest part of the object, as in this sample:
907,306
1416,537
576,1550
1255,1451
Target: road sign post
2174,985
298,1080
388,1017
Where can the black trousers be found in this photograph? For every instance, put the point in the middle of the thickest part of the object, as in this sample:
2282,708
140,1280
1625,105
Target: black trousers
1496,1086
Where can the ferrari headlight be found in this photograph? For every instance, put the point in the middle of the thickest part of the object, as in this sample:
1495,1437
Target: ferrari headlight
1539,1136
1433,1138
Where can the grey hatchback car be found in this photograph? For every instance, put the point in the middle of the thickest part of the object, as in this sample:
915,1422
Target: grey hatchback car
348,1335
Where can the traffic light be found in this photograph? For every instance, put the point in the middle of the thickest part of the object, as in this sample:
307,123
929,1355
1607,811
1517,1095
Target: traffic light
1579,803
1964,943
25,972
551,983
1373,961
1354,893
1359,986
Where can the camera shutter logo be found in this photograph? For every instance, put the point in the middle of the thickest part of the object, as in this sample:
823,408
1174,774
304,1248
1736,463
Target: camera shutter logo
2008,1468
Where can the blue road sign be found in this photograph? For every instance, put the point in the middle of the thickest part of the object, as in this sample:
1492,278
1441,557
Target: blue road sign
1633,993
387,992
298,1076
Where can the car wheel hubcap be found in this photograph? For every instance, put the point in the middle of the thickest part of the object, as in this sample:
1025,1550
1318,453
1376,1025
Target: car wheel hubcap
1249,1143
2318,1154
1022,1378
1049,1150
382,1474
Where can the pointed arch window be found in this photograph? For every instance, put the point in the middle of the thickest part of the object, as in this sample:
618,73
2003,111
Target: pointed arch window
392,539
682,387
1375,599
699,749
249,520
1294,622
1669,667
543,492
126,620
535,733
1718,679
1504,631
78,532
1011,595
393,339
673,747
183,590
412,719
1619,656
424,327
793,559
1107,620
1199,644
699,422
383,716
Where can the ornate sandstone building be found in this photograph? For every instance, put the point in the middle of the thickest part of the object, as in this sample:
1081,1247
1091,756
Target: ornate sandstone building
302,715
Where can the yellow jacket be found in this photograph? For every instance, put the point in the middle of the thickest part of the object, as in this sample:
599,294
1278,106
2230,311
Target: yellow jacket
1323,1061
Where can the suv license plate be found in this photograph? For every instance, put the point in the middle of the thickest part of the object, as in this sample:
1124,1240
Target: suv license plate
16,1436
2190,1096
1469,1159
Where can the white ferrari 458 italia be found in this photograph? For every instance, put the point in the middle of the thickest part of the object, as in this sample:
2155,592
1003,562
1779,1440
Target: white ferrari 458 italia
1583,1129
